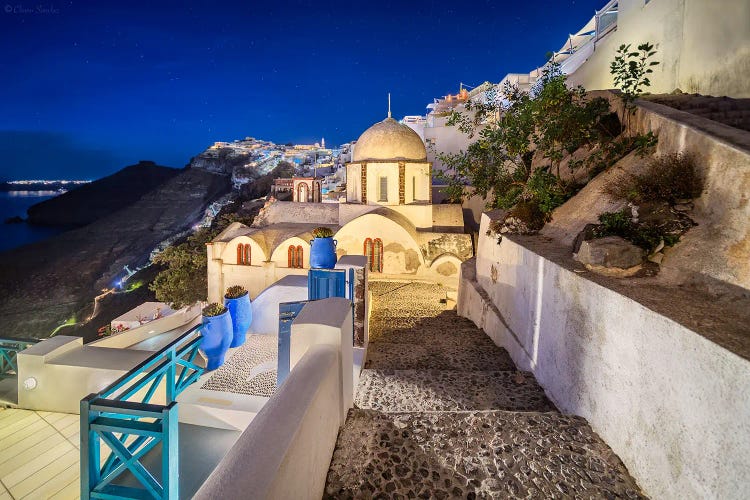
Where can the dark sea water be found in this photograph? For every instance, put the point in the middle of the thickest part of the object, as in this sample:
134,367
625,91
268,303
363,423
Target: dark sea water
14,203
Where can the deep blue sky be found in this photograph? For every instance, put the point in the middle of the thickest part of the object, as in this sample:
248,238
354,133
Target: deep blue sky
88,87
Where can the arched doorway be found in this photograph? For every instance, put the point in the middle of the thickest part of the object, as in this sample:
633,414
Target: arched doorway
316,192
303,192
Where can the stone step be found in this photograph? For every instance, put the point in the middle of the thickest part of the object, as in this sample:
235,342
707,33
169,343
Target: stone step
440,329
427,356
496,454
435,390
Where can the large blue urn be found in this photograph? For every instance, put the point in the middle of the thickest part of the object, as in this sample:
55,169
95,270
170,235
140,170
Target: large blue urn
241,311
217,335
323,253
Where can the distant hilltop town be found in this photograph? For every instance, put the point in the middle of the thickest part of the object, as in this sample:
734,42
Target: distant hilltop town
247,159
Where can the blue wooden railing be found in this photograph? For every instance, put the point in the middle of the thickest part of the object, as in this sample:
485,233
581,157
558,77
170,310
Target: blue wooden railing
321,284
122,417
9,349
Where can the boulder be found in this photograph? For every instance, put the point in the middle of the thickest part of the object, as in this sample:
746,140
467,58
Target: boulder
610,252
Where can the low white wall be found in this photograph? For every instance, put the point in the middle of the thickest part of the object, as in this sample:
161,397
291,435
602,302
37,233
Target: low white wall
62,371
151,329
286,450
673,405
266,305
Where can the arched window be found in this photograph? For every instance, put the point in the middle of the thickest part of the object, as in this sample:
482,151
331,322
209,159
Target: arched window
296,257
377,256
300,257
244,254
373,250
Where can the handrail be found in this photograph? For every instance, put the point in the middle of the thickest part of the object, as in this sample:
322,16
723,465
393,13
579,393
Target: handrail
9,349
132,428
155,358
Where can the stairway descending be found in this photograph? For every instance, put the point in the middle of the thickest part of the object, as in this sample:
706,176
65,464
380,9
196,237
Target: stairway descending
442,412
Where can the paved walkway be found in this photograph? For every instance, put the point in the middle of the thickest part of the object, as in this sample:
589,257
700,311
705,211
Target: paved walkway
441,412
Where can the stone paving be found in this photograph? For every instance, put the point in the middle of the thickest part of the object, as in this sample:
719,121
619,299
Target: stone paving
441,412
251,370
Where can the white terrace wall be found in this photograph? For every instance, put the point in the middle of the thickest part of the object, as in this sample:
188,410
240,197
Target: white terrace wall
703,46
673,405
287,448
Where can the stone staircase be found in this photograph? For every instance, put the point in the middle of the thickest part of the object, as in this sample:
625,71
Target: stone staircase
441,412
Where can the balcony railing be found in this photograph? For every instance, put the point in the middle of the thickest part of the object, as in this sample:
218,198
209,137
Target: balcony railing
123,418
9,349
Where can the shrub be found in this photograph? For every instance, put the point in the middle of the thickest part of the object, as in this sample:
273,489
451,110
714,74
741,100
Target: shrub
214,309
234,292
669,178
322,232
646,236
546,191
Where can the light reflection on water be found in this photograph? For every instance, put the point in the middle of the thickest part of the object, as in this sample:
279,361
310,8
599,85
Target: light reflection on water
34,193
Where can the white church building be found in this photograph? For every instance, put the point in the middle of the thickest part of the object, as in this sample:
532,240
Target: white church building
388,216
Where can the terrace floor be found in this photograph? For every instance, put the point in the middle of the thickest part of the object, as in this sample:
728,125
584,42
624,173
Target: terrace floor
39,454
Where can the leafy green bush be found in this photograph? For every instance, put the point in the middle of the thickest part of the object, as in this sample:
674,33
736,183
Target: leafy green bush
234,292
214,309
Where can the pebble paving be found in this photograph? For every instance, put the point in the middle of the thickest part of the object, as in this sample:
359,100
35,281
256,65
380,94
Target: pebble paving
243,374
441,412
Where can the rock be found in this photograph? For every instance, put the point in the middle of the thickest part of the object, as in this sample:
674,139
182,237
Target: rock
587,233
610,252
656,258
683,207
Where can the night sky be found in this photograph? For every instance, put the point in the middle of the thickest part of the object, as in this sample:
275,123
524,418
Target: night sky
89,87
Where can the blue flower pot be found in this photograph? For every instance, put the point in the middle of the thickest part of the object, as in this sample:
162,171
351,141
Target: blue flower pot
323,253
217,335
241,311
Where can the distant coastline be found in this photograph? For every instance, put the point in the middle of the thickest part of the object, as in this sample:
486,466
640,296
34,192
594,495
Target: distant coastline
55,186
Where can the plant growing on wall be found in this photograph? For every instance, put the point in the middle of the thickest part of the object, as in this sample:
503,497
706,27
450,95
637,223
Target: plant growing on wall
630,70
551,122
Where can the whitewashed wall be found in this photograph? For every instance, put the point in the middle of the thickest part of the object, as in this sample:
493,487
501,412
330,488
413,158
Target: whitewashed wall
673,405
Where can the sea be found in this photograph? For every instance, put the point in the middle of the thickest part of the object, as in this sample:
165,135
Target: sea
15,203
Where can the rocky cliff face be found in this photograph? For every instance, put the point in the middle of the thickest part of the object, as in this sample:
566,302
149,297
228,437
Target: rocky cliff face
45,283
85,204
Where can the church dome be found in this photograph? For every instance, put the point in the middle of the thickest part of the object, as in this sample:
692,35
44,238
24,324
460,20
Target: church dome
389,140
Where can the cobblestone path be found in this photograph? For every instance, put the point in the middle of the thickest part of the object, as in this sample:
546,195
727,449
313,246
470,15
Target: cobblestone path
441,412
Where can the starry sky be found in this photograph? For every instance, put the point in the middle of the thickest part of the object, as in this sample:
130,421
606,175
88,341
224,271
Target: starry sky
89,87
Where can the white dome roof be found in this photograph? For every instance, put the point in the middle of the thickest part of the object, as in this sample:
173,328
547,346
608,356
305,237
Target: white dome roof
389,140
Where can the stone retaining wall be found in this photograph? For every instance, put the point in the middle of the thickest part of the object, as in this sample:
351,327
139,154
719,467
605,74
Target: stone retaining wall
672,404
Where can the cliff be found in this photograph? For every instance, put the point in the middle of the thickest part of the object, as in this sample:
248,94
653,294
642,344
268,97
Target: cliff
85,204
44,283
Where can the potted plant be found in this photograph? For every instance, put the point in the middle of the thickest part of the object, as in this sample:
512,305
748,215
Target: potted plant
217,334
322,249
237,300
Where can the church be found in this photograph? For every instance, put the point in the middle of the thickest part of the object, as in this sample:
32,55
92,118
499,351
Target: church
388,216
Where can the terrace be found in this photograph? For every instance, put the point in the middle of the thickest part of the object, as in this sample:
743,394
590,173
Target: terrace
152,422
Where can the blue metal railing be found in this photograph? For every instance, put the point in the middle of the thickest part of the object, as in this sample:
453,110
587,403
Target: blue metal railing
122,417
9,349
